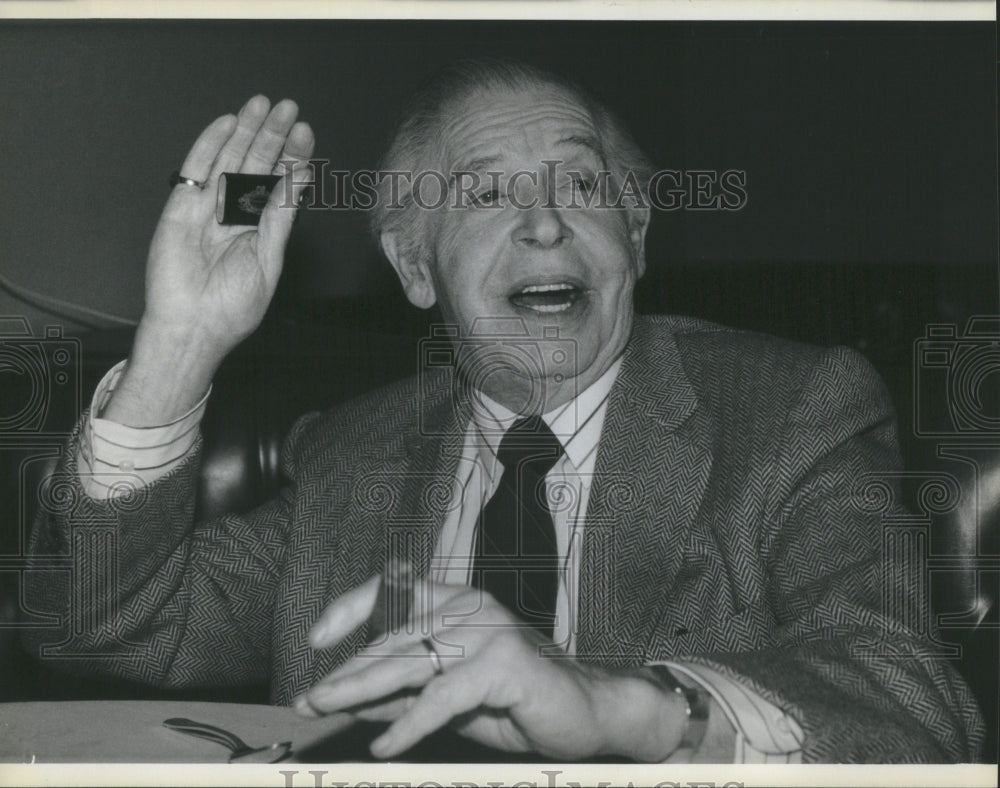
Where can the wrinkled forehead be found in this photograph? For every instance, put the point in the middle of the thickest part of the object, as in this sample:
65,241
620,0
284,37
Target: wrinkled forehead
491,127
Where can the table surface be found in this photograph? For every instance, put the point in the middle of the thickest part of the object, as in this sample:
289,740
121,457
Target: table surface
133,731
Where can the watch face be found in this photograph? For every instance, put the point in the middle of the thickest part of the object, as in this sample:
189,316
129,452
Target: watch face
697,707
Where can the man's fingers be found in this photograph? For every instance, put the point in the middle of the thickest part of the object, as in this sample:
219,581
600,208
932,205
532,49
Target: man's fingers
345,614
279,213
380,678
449,695
386,710
298,146
187,204
269,141
198,163
276,220
296,172
249,121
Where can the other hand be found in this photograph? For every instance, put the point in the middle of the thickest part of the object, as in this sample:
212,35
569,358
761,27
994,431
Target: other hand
498,685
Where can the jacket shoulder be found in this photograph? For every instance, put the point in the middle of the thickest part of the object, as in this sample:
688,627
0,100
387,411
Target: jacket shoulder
729,367
374,424
702,339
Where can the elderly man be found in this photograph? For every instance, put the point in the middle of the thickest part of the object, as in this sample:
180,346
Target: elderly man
637,537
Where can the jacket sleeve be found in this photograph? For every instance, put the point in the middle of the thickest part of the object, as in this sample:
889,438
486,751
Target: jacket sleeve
846,660
140,592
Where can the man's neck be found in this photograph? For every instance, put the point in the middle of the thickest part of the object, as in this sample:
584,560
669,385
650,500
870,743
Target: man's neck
523,398
494,417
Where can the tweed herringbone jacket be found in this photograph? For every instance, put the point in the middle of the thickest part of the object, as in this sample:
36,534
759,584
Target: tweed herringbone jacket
731,522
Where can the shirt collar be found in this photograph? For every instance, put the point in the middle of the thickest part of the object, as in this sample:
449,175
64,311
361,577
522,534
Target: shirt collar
568,422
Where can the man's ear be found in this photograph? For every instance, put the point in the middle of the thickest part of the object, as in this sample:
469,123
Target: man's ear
413,274
638,223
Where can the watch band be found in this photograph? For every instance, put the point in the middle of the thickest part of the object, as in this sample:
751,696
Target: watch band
697,707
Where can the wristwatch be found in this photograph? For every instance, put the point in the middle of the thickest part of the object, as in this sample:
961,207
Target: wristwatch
697,707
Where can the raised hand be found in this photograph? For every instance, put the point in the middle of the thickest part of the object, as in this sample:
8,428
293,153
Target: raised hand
208,285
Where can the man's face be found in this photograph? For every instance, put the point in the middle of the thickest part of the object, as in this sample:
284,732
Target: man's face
519,258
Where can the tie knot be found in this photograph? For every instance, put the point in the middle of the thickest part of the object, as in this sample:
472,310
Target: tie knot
529,440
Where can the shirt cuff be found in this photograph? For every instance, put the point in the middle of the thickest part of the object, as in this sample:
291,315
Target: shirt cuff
764,733
112,456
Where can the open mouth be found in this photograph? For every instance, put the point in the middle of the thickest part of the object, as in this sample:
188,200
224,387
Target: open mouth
547,298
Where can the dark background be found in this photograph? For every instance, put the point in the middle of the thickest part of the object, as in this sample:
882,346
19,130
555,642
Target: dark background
864,143
871,161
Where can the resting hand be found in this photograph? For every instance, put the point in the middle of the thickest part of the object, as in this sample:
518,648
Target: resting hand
208,285
495,687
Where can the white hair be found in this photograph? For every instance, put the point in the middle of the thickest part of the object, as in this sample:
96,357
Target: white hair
416,143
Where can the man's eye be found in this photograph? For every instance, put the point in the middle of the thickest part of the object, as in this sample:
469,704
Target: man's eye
490,197
575,183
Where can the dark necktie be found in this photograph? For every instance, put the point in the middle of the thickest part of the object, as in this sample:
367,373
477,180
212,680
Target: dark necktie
516,557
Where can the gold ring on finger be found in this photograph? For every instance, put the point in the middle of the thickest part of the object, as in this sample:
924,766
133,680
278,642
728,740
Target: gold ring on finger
176,178
433,656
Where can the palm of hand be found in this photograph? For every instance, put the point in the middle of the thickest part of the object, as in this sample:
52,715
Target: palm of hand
199,268
216,279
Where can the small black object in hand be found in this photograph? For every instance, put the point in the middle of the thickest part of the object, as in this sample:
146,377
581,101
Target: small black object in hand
242,197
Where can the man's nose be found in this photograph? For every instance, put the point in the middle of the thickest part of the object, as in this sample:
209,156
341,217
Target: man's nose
541,227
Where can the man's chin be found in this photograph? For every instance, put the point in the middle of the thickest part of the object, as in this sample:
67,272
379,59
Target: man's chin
530,378
524,396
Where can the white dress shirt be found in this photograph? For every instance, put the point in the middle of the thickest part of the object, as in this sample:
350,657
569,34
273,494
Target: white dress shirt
764,734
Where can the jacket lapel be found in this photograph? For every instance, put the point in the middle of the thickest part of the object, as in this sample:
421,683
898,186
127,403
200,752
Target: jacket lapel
652,469
431,462
416,482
